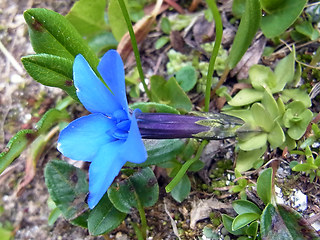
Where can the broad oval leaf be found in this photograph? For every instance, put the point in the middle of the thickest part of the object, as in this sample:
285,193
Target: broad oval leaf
227,223
247,159
284,223
170,93
298,227
244,206
87,16
117,22
255,142
243,220
141,188
160,151
187,78
281,17
68,188
264,186
276,136
246,96
262,77
104,217
182,189
261,117
51,70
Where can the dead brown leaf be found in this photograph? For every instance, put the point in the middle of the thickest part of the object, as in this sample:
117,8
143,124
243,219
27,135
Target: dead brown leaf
141,30
251,57
201,209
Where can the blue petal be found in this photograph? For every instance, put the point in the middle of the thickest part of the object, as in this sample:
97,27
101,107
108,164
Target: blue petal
133,149
83,137
102,171
112,71
92,93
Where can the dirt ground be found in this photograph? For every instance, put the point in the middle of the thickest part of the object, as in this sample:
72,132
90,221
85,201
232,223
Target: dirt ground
23,101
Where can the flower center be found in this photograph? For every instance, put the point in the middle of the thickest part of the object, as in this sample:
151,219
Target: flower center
121,130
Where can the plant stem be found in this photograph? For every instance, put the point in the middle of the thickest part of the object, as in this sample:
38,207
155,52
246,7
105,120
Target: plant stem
185,167
219,29
134,46
137,230
143,218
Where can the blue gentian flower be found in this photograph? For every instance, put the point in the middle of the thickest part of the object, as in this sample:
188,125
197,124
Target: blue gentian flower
109,136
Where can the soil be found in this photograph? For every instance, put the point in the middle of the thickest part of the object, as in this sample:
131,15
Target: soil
23,101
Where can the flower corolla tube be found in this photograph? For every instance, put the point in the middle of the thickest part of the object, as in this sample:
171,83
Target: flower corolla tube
109,136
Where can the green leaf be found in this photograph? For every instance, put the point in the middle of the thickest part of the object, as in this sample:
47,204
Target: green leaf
15,146
53,216
51,117
117,22
51,70
307,29
182,189
244,206
248,27
284,72
153,107
297,95
253,229
255,142
102,42
238,7
272,226
276,136
247,159
304,167
51,33
87,16
299,128
262,77
165,25
227,223
161,42
298,227
243,220
270,104
281,17
141,187
187,78
24,137
160,151
6,234
104,217
284,223
271,5
170,93
67,187
264,186
261,117
246,96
